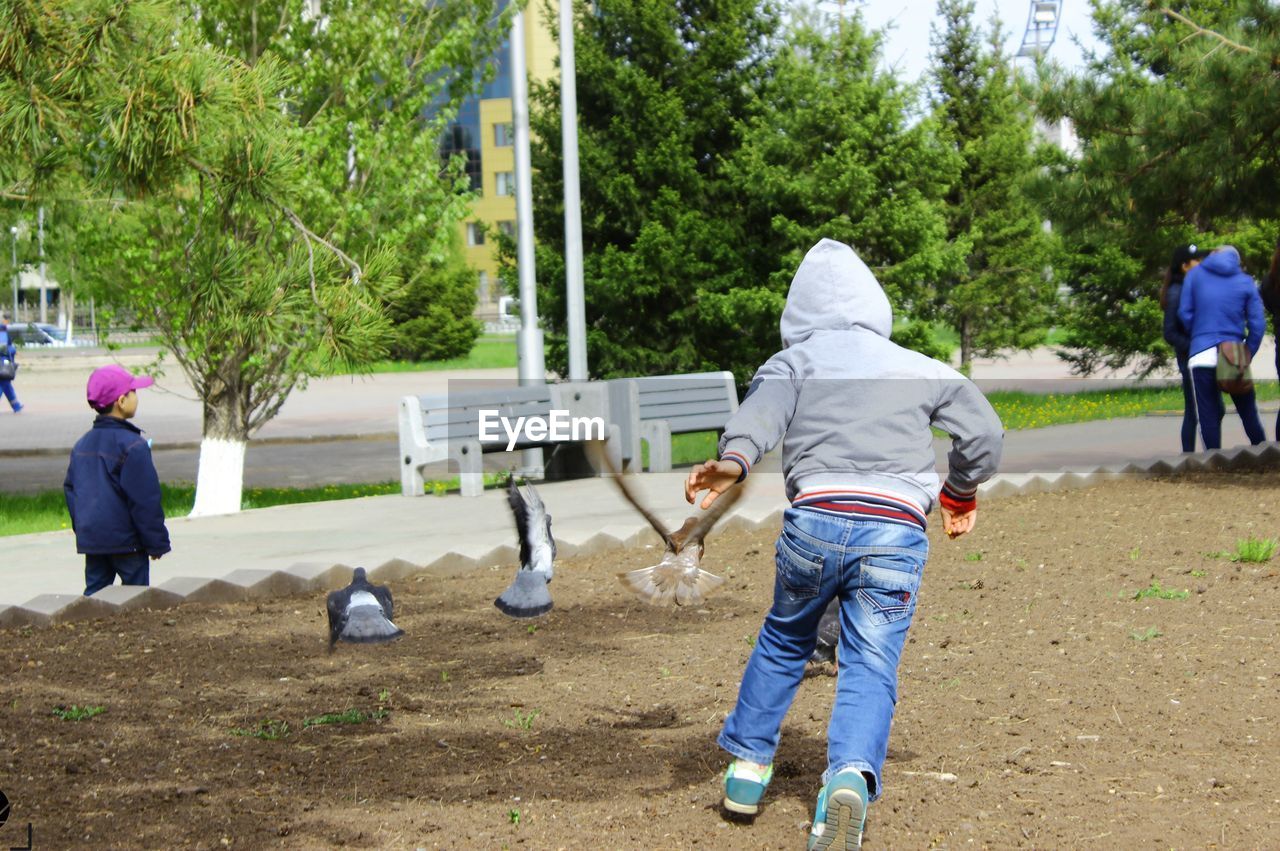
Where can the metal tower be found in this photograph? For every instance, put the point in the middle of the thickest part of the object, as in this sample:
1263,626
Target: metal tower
1042,27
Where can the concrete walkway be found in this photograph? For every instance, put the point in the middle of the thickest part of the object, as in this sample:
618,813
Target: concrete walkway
308,548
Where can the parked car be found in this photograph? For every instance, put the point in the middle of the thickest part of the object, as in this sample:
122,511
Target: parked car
41,335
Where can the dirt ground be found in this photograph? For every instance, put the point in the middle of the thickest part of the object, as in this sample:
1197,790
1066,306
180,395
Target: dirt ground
1042,704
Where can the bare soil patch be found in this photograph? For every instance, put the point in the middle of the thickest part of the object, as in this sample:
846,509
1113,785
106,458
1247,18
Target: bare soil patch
1042,703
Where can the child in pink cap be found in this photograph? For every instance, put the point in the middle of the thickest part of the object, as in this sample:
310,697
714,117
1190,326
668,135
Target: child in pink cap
112,489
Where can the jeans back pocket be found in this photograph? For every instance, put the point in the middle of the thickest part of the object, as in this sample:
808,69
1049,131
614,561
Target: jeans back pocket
887,587
799,570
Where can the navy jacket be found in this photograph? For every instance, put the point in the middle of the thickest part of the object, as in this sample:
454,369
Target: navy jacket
1175,333
113,492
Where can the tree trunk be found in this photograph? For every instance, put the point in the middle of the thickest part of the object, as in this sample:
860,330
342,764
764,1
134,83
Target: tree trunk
220,473
966,346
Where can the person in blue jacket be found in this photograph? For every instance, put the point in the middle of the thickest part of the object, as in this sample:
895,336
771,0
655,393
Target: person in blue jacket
1270,292
1220,304
8,352
1185,258
112,489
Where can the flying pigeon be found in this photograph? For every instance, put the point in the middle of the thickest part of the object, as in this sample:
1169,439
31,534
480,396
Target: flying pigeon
528,596
361,612
678,578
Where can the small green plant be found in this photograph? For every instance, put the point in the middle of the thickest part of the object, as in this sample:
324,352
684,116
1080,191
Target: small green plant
351,716
1155,589
78,713
1145,634
444,676
522,720
383,694
1199,573
973,556
513,816
1135,553
268,729
1255,550
532,628
751,641
665,672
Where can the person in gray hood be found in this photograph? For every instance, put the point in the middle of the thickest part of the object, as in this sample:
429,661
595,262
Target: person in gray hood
854,412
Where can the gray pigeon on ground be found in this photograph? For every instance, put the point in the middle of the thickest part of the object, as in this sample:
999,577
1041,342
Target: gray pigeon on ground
828,634
361,612
528,595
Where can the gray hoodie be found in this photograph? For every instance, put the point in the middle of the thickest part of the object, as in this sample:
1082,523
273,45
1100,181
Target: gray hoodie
853,409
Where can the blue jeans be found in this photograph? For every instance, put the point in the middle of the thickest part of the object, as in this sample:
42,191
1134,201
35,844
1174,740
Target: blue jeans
100,570
6,387
874,568
1211,409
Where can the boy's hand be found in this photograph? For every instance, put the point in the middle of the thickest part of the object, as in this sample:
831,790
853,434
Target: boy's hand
955,524
716,477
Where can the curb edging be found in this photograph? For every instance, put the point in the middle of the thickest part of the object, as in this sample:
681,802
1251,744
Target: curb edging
311,577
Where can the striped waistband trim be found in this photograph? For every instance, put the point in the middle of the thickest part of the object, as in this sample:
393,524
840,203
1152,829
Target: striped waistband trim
874,505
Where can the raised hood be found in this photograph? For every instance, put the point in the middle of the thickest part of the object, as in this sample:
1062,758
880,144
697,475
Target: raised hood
834,290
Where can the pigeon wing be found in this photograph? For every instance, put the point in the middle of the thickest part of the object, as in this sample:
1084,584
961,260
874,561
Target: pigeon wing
382,594
542,545
712,515
520,509
336,604
621,481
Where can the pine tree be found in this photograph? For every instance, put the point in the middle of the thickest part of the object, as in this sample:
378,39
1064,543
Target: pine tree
1180,142
1000,298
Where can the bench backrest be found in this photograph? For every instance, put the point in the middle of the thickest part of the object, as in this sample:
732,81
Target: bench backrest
456,416
701,401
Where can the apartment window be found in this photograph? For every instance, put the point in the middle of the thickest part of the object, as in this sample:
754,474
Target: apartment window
508,228
504,136
506,182
475,233
482,287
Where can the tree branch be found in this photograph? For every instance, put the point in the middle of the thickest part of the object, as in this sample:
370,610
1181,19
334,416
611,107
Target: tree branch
1199,30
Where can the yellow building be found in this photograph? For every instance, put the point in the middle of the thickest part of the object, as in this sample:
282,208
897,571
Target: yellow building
483,132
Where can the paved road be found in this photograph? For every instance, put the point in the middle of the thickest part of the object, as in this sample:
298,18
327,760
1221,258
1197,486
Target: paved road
342,430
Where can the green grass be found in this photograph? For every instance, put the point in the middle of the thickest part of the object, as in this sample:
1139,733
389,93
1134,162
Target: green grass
1019,410
1255,550
491,351
1145,634
1159,592
268,729
22,514
351,716
77,713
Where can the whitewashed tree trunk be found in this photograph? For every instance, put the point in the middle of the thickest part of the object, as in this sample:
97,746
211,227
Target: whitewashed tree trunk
219,477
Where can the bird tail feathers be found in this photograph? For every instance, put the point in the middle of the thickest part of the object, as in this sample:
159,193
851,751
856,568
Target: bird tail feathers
667,583
367,625
526,597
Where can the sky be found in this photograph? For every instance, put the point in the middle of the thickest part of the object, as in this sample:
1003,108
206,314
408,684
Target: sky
907,46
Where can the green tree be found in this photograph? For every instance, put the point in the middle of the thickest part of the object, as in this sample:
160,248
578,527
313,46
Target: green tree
230,217
716,148
1180,142
1000,297
662,90
833,149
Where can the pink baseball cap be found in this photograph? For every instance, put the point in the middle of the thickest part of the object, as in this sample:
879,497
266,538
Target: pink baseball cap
108,383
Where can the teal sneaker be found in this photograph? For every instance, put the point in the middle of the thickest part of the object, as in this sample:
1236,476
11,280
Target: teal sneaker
841,813
744,785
